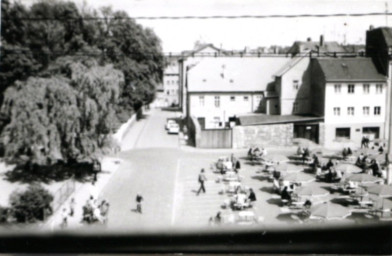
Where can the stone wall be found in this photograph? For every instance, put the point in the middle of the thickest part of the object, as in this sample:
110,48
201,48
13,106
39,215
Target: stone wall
265,135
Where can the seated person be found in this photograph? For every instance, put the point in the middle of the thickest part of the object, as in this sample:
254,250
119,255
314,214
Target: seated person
349,151
329,164
344,153
381,150
251,196
285,195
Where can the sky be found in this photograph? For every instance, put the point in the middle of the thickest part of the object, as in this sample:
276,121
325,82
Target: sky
236,34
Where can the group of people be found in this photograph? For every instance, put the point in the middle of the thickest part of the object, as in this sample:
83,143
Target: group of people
95,212
328,172
304,153
243,199
229,163
255,152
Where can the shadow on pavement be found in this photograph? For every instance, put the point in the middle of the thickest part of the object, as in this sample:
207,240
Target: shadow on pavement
275,201
268,190
260,178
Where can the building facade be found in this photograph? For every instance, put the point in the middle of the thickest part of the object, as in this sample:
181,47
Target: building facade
171,83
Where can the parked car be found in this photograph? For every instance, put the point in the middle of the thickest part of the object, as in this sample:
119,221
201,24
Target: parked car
174,128
169,123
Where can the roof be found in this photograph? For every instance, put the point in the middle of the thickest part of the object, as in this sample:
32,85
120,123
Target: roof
186,54
257,119
290,64
387,33
303,46
349,69
248,74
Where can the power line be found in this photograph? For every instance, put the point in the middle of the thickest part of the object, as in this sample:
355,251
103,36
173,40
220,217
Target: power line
207,17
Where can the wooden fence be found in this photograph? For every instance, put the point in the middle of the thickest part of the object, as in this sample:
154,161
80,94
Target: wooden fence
215,138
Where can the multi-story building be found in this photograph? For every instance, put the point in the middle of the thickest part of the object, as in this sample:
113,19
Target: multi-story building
171,83
351,95
218,89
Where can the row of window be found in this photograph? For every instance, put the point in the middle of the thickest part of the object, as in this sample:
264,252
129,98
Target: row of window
351,111
172,82
172,92
365,88
232,98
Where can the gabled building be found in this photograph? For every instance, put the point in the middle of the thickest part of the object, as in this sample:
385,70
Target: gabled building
351,95
320,48
218,89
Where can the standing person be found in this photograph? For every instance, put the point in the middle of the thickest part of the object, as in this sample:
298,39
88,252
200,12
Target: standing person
237,166
64,218
233,160
72,207
202,179
363,141
251,197
96,169
139,200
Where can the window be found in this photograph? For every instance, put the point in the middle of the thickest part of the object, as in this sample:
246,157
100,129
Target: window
366,88
295,107
217,101
295,84
342,133
351,88
338,88
336,111
232,98
350,111
246,98
377,111
379,88
201,100
366,111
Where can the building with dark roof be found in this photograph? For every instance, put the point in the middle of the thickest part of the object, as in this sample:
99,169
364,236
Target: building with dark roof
319,48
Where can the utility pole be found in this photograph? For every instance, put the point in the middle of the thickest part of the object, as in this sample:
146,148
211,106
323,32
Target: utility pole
386,14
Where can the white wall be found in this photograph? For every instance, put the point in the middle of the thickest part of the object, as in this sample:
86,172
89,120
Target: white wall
227,108
357,100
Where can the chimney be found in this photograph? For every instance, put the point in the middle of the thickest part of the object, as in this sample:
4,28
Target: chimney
371,27
309,39
321,40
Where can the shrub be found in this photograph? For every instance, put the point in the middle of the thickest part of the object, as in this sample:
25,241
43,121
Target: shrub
31,205
3,214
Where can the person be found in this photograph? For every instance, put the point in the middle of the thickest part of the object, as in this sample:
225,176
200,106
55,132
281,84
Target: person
307,204
233,159
367,142
202,179
252,196
316,161
218,218
305,155
349,151
380,150
285,195
264,152
363,141
300,151
72,207
139,200
344,153
64,218
96,169
237,166
250,153
329,164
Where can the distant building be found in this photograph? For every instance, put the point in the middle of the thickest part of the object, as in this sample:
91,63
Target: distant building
171,83
319,48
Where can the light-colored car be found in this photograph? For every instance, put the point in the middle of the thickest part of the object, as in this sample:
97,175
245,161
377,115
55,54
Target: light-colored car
174,129
169,123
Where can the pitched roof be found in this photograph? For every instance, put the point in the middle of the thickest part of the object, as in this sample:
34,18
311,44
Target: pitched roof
290,64
387,32
234,74
303,46
200,48
349,69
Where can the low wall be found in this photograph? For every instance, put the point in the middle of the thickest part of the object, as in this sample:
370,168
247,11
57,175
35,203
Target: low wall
265,135
123,130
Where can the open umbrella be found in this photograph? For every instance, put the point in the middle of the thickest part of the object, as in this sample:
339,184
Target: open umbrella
379,190
276,158
366,152
299,177
329,211
311,191
363,178
348,168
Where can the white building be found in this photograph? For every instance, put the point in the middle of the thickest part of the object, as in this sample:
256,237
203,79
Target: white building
352,96
221,88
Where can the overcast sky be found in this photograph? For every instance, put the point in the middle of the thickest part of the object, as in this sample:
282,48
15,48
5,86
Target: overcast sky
178,35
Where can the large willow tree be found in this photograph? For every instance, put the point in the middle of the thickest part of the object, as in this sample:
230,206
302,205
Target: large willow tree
65,118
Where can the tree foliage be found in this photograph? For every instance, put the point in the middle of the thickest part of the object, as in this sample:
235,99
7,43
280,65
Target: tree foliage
62,118
29,205
66,76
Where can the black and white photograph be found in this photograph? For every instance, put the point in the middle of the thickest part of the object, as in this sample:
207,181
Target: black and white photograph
196,126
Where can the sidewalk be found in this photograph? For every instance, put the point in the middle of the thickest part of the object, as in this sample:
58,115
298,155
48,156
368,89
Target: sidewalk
110,164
